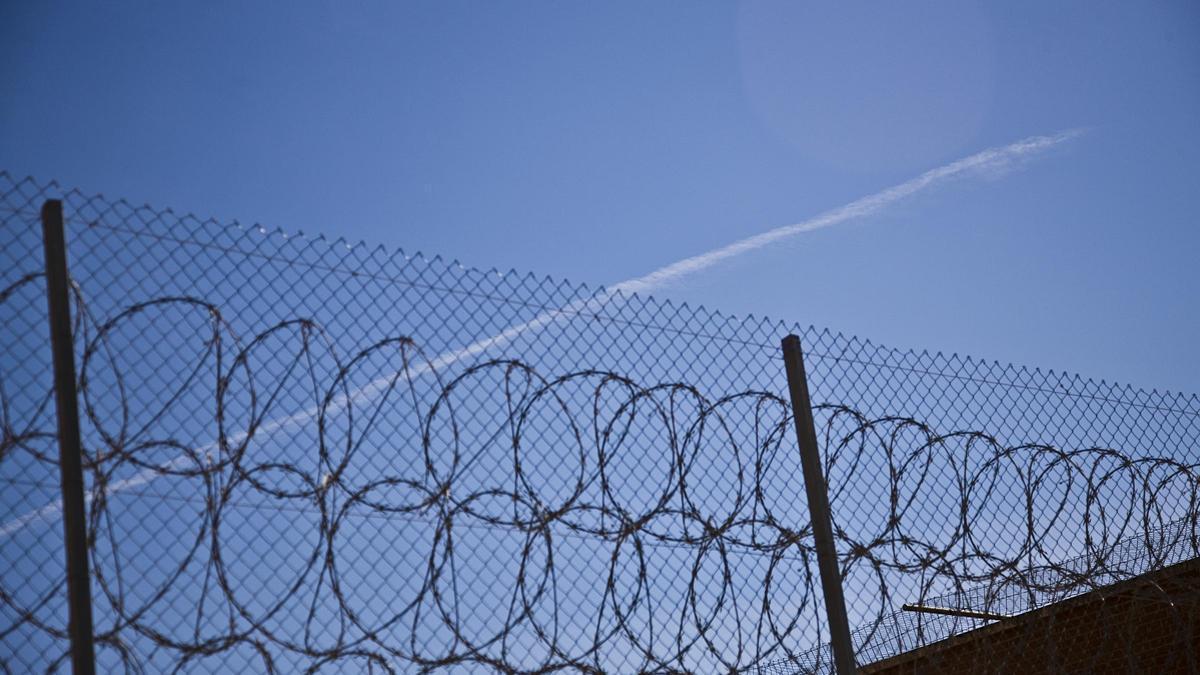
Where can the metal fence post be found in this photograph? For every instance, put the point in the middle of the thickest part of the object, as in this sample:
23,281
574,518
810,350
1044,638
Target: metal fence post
70,449
818,506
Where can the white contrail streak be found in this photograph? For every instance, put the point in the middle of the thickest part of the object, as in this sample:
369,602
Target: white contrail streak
990,159
987,160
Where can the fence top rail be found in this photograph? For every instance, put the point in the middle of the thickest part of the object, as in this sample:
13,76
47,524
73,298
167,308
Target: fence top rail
337,255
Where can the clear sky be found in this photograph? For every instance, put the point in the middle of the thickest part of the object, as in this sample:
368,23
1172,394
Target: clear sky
603,141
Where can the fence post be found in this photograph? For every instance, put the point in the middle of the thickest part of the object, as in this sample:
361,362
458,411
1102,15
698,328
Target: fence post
70,449
818,506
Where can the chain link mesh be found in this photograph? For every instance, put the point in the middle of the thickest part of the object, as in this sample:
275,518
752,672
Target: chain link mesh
307,455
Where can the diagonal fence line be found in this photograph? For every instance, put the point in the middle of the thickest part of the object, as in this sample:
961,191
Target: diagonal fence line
991,158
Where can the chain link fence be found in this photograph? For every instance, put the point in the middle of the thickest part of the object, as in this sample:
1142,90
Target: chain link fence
308,455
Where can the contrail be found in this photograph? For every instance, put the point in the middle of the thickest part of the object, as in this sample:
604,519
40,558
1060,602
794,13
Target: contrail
990,159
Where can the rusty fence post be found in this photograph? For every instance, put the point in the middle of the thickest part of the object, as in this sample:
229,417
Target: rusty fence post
818,506
70,448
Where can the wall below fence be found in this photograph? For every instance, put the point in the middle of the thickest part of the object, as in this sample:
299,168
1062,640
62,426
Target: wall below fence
1149,624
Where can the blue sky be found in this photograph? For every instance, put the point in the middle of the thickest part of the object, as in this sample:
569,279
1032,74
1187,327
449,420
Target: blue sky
601,142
